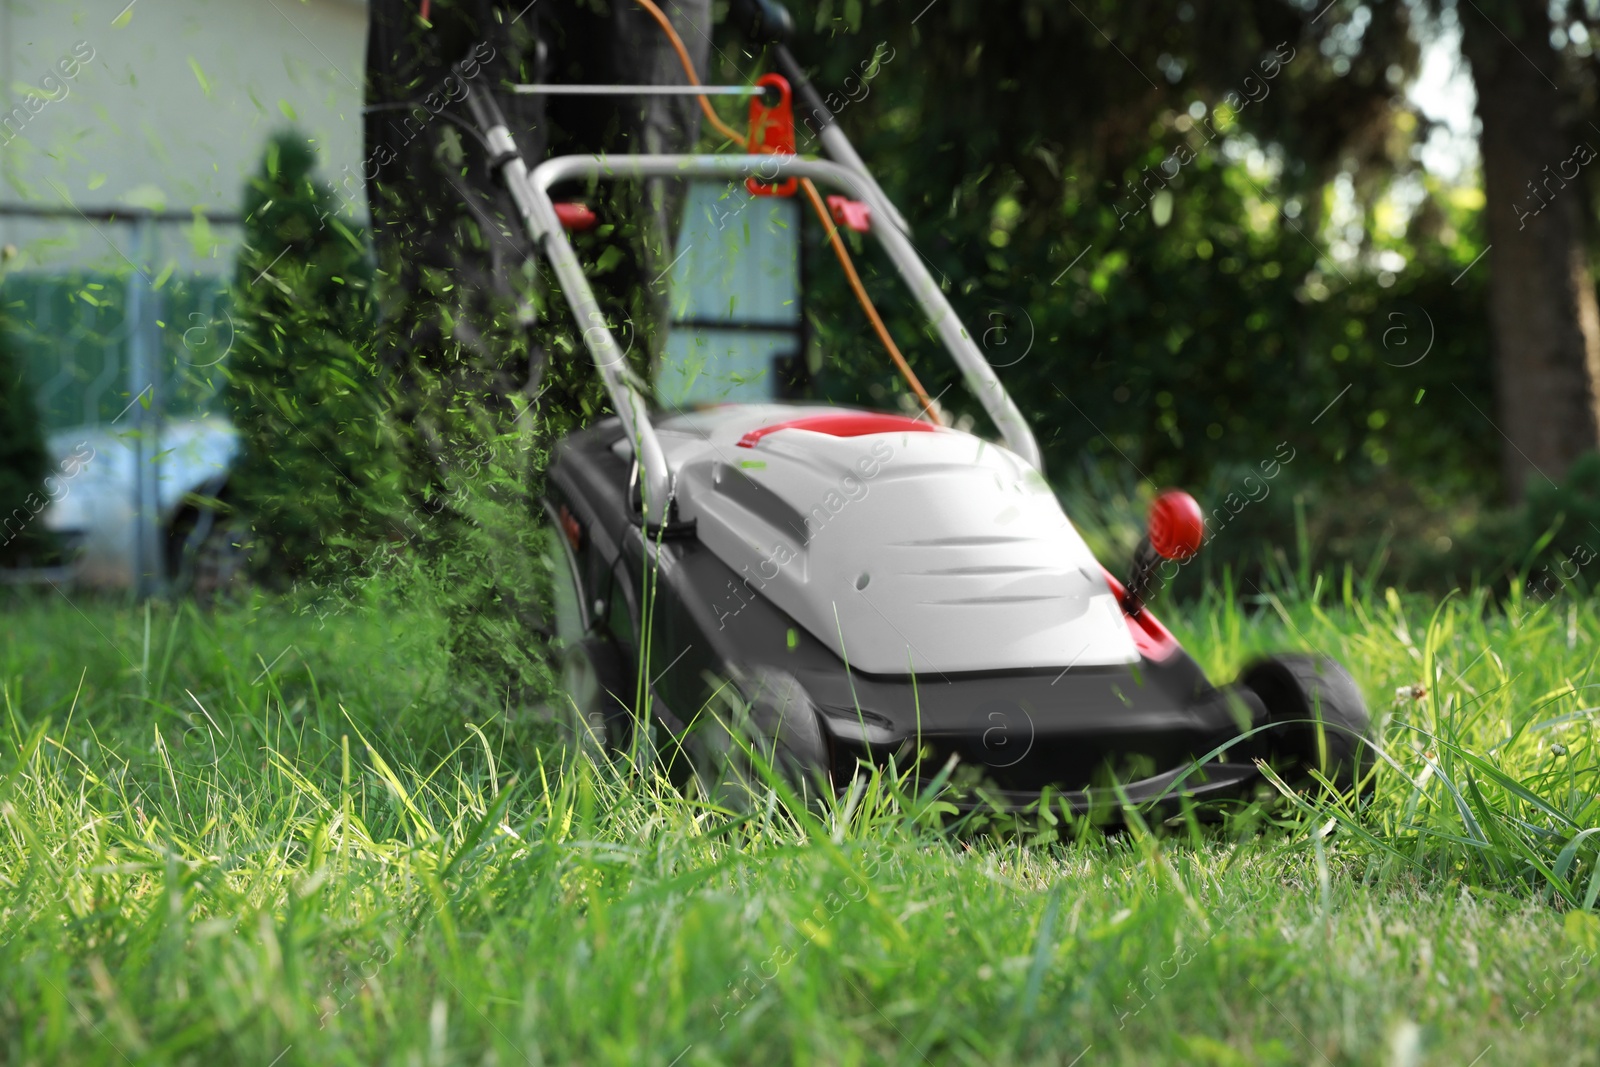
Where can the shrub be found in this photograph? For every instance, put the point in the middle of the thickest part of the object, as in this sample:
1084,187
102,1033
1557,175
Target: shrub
302,382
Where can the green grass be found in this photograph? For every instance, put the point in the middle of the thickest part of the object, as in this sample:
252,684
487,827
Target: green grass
259,837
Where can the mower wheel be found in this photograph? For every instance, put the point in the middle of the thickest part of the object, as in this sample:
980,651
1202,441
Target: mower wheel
1320,719
777,726
596,688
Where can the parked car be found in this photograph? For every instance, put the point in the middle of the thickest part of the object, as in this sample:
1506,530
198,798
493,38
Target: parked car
96,509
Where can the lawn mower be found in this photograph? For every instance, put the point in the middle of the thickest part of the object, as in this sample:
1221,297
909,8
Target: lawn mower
818,589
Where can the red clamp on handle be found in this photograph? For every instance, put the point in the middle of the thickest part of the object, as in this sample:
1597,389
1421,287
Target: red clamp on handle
576,216
772,130
851,214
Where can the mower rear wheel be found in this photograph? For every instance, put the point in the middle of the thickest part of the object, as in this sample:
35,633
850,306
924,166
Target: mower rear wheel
1319,720
597,690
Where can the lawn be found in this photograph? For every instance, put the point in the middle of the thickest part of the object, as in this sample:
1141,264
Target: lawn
260,837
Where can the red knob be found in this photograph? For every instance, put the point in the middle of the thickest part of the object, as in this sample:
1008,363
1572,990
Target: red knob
1177,526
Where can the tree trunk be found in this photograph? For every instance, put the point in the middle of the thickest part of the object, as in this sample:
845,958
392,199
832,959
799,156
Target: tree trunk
469,312
455,269
1542,305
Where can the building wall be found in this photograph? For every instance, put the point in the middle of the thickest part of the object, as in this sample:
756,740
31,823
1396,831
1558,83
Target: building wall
171,111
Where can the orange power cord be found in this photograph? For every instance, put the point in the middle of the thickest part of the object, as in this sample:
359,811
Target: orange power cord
817,205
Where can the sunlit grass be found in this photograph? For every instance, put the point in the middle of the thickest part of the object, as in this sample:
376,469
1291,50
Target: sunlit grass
257,835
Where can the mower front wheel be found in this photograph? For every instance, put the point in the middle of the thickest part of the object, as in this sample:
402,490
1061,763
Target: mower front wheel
596,689
1316,716
767,720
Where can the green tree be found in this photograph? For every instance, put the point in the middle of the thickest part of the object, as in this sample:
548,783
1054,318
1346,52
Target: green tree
302,384
1080,176
1535,99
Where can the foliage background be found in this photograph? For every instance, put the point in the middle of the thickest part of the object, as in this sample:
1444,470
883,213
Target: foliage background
1186,337
23,462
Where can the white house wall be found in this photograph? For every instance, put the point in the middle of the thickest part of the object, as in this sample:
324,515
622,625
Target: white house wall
171,112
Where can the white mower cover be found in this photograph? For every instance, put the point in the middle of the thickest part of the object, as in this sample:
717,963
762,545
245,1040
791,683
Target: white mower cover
907,552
